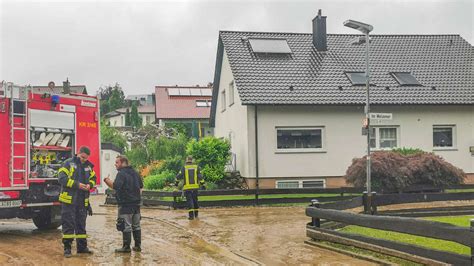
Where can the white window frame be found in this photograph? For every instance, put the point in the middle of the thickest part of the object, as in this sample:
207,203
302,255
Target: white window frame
302,150
454,133
223,99
377,137
300,182
231,93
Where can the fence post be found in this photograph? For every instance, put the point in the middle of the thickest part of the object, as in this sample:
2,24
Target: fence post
175,201
472,241
373,204
365,202
316,222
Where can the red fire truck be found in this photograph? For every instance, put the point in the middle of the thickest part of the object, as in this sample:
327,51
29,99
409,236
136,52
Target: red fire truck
40,128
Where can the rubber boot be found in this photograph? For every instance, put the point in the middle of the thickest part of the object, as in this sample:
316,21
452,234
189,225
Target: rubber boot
196,213
127,240
191,215
82,247
137,238
67,249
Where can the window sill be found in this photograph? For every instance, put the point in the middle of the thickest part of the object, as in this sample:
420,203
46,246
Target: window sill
300,151
445,149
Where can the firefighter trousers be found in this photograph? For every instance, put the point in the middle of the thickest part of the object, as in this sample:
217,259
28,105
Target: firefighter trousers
74,225
192,200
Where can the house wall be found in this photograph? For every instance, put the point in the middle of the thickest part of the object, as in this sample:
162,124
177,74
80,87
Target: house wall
117,121
107,166
343,140
151,118
232,123
208,131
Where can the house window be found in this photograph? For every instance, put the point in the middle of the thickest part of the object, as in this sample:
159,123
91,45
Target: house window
223,102
231,93
287,184
203,103
443,136
384,137
405,79
299,138
314,183
356,78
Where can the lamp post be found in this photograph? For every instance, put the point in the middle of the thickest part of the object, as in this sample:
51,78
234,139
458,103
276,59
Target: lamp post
365,29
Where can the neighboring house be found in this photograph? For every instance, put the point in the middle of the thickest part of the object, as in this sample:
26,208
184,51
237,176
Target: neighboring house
185,105
292,104
78,89
117,118
142,99
108,153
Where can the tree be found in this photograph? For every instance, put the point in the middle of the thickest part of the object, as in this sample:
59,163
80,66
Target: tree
212,154
111,98
135,119
393,170
127,118
111,135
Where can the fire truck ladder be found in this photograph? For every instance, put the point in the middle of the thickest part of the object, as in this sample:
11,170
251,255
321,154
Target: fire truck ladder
19,137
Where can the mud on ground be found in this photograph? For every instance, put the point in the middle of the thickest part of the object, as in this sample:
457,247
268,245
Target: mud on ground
236,236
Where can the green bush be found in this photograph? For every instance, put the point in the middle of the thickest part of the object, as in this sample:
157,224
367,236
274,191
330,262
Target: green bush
211,154
407,151
173,164
159,181
164,147
137,156
112,135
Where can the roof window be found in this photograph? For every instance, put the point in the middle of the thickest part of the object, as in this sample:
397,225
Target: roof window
405,79
270,46
357,78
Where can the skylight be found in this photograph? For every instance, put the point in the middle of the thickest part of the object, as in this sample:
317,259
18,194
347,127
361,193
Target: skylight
203,103
405,79
357,78
271,46
189,92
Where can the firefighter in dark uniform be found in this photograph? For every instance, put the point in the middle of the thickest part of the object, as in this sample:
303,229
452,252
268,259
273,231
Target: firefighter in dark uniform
77,178
191,175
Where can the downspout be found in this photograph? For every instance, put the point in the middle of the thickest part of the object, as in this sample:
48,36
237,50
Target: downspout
256,157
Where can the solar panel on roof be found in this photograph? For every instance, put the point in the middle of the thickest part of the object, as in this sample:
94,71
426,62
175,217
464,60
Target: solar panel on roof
405,78
195,92
206,92
173,92
273,46
356,78
184,92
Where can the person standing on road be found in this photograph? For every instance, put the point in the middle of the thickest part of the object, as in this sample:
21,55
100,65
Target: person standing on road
128,186
191,174
77,178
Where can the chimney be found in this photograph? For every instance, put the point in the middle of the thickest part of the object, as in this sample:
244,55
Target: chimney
319,32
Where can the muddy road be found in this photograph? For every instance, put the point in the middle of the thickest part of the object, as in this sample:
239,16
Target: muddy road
236,236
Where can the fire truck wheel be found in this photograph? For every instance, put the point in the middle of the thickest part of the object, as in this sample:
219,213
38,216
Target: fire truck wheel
47,219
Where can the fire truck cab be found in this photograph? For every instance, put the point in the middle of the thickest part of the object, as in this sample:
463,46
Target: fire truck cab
40,129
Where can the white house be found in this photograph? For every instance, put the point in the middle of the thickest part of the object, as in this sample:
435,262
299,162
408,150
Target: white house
292,104
116,118
108,153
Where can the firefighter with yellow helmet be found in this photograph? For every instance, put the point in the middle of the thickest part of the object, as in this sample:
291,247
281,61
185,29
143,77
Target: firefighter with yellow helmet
77,178
191,175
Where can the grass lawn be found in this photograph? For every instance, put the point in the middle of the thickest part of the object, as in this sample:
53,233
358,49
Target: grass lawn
276,196
460,190
418,240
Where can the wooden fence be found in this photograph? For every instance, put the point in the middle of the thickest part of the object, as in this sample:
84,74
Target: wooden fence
277,196
322,214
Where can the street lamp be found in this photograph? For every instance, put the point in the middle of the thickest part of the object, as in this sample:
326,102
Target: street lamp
365,29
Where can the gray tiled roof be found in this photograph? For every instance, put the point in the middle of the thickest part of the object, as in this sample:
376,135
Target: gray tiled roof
441,61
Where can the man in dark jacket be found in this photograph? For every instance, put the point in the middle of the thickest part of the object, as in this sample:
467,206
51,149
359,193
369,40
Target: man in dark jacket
127,185
76,177
191,175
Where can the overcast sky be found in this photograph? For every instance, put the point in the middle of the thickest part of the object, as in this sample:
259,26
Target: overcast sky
143,44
